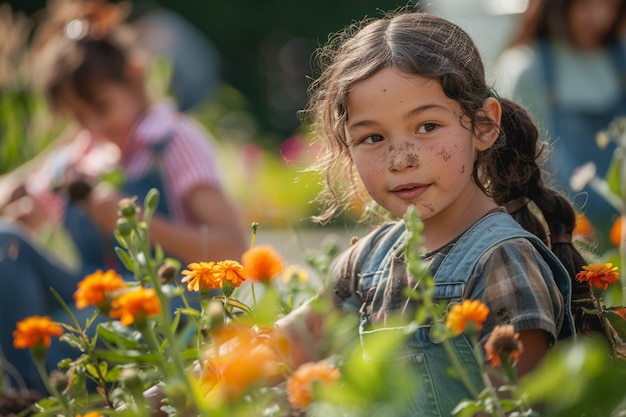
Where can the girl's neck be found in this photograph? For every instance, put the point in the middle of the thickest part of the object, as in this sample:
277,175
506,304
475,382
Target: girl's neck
447,226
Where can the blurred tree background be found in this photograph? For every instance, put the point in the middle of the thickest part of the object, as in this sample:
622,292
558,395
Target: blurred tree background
264,46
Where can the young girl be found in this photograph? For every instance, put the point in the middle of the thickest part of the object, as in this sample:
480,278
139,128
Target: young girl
90,75
402,108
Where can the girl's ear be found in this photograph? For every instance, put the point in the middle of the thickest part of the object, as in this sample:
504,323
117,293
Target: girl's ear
488,132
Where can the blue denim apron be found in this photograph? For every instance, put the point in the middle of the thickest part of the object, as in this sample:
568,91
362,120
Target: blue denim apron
437,393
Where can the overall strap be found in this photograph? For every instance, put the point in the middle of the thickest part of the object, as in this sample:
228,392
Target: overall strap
456,269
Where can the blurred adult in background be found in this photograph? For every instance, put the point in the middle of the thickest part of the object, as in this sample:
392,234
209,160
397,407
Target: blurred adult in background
194,59
567,65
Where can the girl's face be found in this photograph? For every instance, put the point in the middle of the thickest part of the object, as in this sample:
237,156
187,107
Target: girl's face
589,21
410,145
110,114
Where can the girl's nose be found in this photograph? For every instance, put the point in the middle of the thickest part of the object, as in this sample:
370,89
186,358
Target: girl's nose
401,157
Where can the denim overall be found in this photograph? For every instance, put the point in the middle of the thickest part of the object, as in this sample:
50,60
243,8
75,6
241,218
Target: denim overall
573,132
438,393
26,278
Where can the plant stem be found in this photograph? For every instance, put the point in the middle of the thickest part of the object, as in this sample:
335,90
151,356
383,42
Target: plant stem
65,406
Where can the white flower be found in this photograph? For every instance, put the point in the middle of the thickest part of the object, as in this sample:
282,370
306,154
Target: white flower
582,176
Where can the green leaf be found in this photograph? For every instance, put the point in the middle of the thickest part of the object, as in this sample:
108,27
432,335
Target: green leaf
130,356
158,254
125,258
74,341
612,174
617,322
234,303
116,178
115,334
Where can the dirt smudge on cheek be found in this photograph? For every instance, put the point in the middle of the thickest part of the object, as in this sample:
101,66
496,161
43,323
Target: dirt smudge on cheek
429,207
444,154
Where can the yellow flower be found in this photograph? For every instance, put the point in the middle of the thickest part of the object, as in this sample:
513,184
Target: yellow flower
34,331
467,312
93,289
599,275
295,272
90,414
262,263
503,343
201,276
135,305
300,384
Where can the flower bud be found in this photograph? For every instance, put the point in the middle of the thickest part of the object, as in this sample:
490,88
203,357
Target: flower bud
152,199
128,208
123,226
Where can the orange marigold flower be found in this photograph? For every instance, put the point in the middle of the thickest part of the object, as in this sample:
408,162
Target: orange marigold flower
300,384
230,275
35,330
615,235
262,263
599,275
503,343
229,271
93,289
583,227
242,357
467,312
201,276
90,414
135,306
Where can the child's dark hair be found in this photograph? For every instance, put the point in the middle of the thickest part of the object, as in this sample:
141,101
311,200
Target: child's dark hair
431,47
81,47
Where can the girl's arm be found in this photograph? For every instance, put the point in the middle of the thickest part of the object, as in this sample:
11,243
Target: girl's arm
305,330
535,344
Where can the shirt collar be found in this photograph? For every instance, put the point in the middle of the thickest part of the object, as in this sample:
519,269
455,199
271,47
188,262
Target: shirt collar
154,125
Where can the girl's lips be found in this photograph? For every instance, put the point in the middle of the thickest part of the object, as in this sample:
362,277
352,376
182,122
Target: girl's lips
409,192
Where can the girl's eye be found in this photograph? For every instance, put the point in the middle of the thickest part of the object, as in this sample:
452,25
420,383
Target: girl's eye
372,139
427,128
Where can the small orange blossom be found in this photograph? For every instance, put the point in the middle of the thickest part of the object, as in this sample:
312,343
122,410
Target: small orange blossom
262,263
200,276
467,312
135,305
599,275
300,384
503,342
242,357
35,330
93,289
583,227
615,235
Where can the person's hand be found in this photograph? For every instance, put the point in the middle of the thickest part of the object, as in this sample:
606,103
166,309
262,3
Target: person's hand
102,206
28,210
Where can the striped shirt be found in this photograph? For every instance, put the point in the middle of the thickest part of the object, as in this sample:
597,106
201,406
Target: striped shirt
188,160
